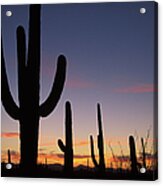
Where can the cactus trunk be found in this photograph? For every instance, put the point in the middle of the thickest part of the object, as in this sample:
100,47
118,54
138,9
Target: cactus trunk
68,147
100,140
133,157
29,146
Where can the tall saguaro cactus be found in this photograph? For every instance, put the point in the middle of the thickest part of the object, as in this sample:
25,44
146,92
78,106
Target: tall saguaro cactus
101,165
67,148
133,158
29,111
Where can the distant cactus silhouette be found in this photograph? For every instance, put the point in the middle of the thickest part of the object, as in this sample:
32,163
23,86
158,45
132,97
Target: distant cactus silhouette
101,165
143,153
29,111
9,156
133,158
46,163
67,148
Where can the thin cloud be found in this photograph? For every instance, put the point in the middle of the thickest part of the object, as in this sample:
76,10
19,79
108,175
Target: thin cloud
42,149
76,156
144,88
9,134
81,156
60,155
47,144
81,143
79,84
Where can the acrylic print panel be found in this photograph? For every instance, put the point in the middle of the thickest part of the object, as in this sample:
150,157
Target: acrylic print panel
79,90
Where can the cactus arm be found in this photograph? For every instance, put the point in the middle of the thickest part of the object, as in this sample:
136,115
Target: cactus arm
61,145
92,152
21,46
47,107
21,55
7,100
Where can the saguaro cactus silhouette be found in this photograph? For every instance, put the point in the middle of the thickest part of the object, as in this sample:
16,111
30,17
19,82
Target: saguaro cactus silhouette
67,148
101,165
143,153
29,111
9,156
133,158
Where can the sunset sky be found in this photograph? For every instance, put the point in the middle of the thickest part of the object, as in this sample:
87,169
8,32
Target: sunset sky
110,52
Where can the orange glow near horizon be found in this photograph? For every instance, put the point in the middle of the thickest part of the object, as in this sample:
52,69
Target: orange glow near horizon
53,155
53,159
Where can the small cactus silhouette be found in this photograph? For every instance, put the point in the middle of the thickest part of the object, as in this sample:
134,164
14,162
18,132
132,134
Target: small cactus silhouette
101,165
143,153
29,111
133,158
67,148
46,163
9,156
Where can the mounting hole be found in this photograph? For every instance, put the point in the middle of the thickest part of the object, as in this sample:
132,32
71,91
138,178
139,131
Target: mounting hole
8,13
142,10
143,170
8,166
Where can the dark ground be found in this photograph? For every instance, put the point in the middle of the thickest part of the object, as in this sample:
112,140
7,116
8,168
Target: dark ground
79,173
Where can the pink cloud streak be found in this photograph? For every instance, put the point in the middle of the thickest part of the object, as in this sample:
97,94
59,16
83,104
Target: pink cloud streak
80,84
81,143
9,134
144,88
